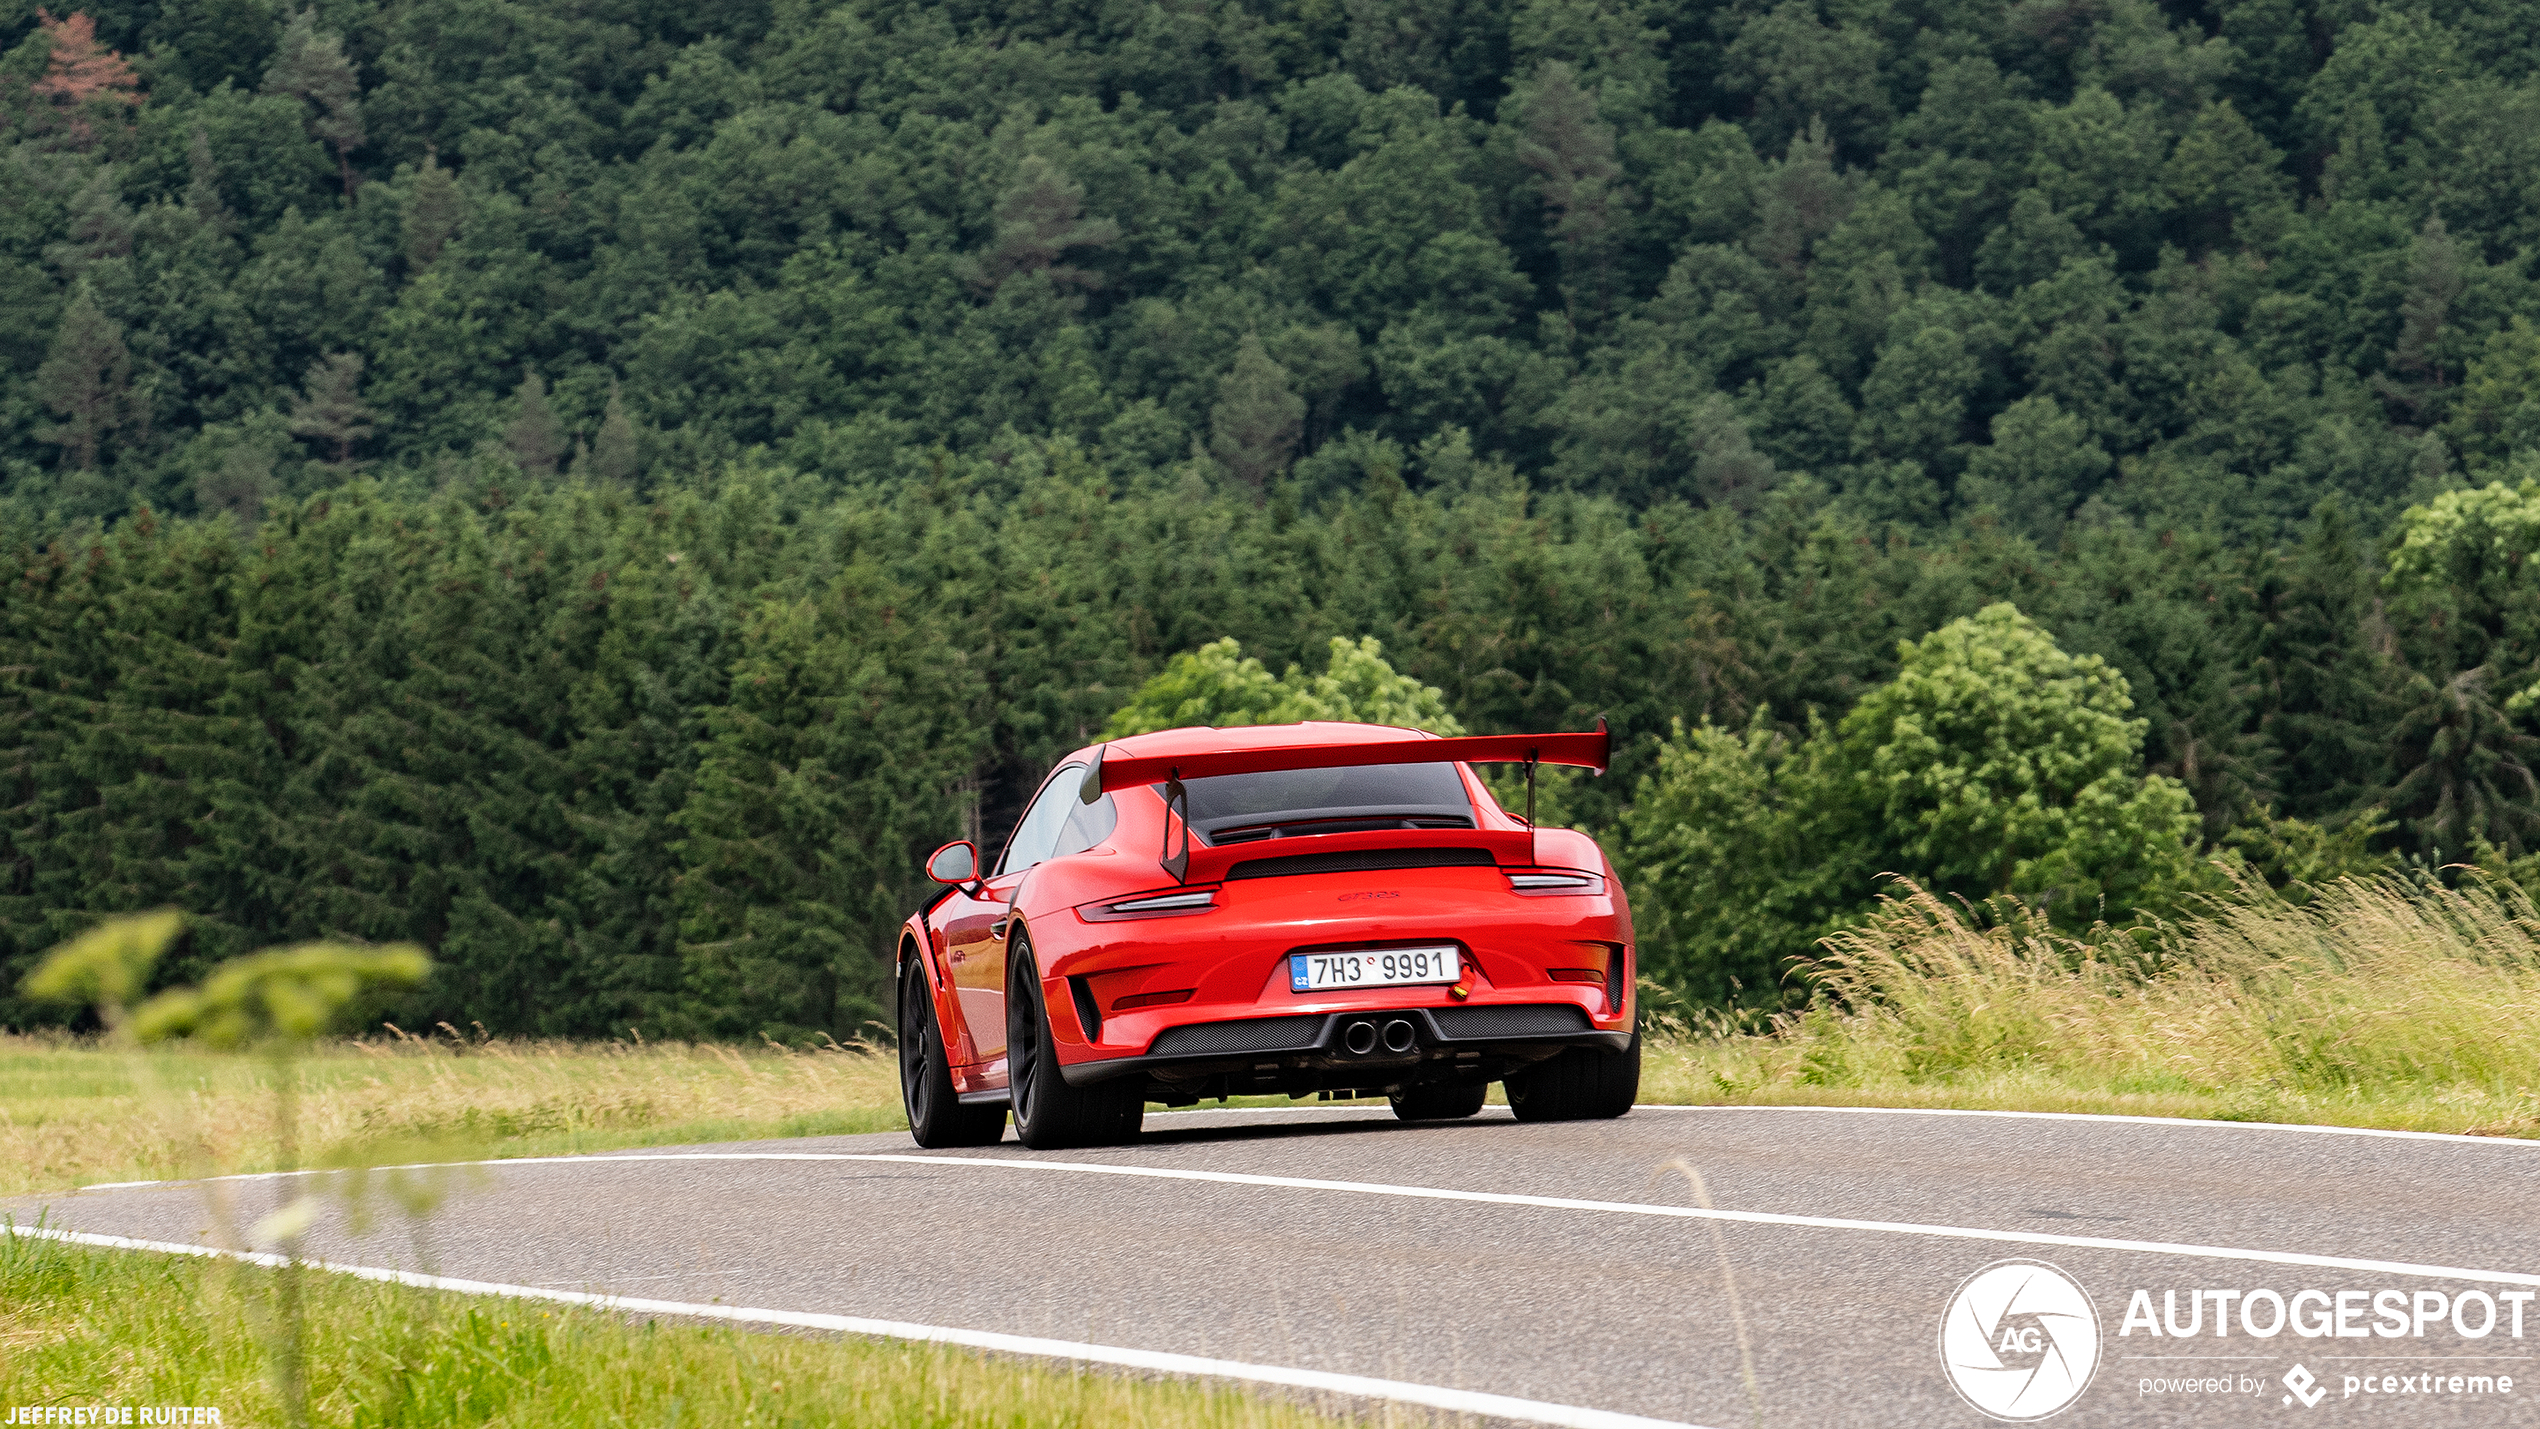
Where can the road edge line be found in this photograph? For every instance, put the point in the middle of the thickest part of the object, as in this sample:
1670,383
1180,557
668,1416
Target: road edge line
2121,1118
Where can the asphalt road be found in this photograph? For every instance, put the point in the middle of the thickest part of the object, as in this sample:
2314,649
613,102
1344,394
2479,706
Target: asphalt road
1563,1268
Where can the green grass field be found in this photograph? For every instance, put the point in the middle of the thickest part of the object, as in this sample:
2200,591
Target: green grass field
82,1327
73,1112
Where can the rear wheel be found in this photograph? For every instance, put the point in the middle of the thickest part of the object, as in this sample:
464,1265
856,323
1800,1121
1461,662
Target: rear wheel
1440,1101
1582,1084
1048,1113
936,1117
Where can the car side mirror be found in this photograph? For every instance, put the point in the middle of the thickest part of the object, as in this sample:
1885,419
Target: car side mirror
956,862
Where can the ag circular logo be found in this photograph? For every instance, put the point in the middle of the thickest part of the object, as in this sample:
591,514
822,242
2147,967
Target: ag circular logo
2020,1340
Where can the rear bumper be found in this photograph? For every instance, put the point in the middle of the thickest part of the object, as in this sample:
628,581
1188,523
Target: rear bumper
1316,1051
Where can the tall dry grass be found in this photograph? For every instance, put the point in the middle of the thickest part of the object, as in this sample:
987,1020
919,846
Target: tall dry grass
2378,1002
75,1112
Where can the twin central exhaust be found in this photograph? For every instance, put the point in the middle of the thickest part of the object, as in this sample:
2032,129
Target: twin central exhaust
1397,1035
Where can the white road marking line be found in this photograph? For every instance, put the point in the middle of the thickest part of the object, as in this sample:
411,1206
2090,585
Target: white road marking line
1565,1203
2209,1123
2206,1123
1454,1401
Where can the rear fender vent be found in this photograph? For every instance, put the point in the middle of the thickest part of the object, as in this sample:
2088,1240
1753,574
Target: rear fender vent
1362,861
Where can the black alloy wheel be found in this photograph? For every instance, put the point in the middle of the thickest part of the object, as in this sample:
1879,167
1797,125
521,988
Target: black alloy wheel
1440,1101
1048,1113
936,1116
1582,1084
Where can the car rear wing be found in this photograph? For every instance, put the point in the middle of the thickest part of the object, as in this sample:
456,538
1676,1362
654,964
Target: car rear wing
1591,750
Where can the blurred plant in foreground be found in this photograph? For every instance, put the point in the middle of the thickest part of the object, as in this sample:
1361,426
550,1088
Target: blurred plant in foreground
273,1002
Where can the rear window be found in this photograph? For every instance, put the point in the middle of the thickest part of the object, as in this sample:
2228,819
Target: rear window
1378,796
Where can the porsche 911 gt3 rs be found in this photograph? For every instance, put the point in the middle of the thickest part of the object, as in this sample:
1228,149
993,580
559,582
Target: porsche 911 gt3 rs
1305,909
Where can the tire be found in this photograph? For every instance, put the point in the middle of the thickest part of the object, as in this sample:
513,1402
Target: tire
1440,1101
936,1117
1582,1084
1048,1113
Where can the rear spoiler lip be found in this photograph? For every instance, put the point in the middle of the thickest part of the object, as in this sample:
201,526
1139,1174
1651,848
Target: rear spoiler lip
1592,749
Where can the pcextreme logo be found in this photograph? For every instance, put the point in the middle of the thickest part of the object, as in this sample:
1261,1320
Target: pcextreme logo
2020,1341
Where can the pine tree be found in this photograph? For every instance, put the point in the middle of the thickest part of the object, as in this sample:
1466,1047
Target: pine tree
81,75
536,436
434,210
329,409
613,460
1572,154
2437,272
86,381
1040,219
1253,428
310,66
240,486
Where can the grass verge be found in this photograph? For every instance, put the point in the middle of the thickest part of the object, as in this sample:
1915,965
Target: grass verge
73,1112
81,1327
2381,1003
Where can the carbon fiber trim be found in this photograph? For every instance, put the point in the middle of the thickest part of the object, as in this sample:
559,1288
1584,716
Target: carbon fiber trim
1365,861
1539,1020
1260,1034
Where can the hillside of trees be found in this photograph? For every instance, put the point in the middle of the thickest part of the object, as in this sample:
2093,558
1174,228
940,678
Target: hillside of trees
598,488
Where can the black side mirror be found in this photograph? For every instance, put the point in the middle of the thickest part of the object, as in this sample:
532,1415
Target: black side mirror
956,862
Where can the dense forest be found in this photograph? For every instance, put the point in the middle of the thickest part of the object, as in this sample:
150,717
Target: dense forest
600,487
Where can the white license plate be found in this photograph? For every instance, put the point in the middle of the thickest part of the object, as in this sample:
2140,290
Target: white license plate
1373,967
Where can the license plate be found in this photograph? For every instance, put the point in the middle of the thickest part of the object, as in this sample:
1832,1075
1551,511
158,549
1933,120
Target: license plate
1373,967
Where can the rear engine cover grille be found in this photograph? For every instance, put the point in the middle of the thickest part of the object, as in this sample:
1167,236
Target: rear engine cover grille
1364,861
1510,1021
1261,1034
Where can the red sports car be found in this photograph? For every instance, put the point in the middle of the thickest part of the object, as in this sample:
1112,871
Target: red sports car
1308,908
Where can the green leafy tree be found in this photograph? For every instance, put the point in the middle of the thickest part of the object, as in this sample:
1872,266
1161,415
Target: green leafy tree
1736,857
1992,763
1995,762
2040,465
2497,411
1218,685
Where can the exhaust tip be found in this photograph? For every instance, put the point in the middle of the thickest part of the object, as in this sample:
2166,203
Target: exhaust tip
1400,1035
1360,1038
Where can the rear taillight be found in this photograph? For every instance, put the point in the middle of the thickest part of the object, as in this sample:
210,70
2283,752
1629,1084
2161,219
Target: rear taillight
1544,882
1161,905
1151,999
1594,975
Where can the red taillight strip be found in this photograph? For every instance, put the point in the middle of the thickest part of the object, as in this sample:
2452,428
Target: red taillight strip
1151,999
